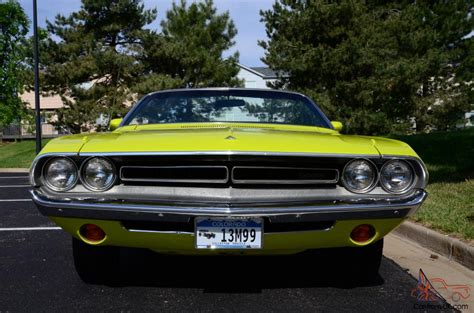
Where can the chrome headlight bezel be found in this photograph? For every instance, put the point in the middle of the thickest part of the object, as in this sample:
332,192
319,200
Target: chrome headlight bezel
84,180
408,187
46,183
368,188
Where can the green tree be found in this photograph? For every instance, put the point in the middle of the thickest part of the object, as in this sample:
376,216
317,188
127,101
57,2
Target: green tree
189,51
13,30
91,58
375,65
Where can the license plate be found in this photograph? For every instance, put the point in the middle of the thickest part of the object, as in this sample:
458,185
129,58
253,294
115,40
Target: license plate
219,233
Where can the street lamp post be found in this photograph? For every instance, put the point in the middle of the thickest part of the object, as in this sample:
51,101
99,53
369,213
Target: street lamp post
36,69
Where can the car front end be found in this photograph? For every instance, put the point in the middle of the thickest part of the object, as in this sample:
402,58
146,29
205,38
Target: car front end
227,187
155,199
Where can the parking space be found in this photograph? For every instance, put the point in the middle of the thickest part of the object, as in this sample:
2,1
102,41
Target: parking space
37,274
14,187
13,182
16,208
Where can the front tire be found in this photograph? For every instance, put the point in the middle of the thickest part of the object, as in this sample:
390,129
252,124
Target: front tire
95,264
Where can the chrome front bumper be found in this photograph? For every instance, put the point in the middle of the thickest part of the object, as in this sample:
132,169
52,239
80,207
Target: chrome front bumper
283,212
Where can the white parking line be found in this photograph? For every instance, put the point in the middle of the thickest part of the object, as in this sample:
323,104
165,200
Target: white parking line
15,200
13,186
29,228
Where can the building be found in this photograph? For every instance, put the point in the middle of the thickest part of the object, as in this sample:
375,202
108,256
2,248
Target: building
256,77
469,119
48,107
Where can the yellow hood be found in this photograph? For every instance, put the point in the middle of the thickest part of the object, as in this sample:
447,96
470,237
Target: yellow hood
228,137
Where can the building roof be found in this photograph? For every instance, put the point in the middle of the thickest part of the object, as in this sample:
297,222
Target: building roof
263,71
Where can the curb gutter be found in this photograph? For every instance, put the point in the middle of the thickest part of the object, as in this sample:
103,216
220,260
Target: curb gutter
14,170
452,248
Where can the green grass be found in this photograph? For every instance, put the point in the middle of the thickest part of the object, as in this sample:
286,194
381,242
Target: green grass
449,157
17,154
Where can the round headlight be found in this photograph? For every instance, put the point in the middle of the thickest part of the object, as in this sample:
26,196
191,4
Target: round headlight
359,176
98,174
396,176
60,174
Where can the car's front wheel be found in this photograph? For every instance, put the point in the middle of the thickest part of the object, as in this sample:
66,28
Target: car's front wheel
95,264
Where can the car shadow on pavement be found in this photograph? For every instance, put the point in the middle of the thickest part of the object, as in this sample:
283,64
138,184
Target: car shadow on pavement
235,274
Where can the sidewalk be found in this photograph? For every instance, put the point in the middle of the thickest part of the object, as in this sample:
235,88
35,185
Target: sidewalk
452,248
411,256
14,170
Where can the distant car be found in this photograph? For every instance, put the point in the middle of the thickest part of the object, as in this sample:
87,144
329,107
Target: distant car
251,171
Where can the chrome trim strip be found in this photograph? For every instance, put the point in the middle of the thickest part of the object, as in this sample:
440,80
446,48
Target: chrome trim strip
286,182
225,89
228,153
177,232
369,205
225,180
174,232
225,153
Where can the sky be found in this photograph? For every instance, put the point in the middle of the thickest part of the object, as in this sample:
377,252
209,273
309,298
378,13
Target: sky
244,13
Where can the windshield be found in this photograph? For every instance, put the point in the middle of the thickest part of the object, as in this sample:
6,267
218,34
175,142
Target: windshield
234,106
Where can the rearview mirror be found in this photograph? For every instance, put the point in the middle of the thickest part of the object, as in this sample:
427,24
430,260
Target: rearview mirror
336,125
115,123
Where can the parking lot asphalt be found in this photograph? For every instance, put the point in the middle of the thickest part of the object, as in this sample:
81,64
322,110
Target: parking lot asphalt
37,275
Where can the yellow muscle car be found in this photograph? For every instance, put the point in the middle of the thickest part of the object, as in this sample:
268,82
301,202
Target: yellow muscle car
226,171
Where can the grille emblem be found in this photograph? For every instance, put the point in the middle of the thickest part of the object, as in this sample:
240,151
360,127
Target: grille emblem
230,138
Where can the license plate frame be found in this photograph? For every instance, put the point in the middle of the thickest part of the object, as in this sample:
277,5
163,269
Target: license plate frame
215,240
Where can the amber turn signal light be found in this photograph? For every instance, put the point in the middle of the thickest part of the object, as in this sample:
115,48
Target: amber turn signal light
363,233
92,232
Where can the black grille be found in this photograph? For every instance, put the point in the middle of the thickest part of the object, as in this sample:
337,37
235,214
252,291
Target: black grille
175,174
228,170
283,175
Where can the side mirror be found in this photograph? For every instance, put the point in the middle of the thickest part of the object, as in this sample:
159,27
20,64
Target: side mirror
115,123
336,125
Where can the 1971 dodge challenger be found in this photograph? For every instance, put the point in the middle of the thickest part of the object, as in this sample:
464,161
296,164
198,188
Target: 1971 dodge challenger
226,171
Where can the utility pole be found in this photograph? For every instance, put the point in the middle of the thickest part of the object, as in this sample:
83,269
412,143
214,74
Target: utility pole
36,68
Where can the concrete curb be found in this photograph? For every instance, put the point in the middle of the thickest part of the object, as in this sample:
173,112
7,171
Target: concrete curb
14,170
452,248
